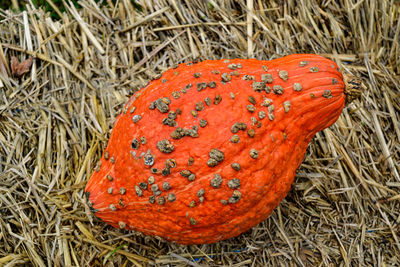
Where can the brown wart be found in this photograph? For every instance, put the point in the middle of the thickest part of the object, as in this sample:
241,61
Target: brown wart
267,78
247,77
266,102
252,100
169,122
235,166
283,74
151,180
234,183
203,123
122,191
161,200
143,185
122,225
185,173
201,192
106,155
277,89
235,139
234,73
225,77
197,75
201,86
171,197
297,87
165,146
251,108
143,140
216,181
251,133
192,221
217,99
138,191
170,163
166,171
327,94
162,104
314,69
148,159
191,177
216,156
109,177
136,118
154,188
135,144
258,86
199,106
261,114
212,84
236,196
176,94
190,161
253,153
192,204
207,100
238,126
286,106
232,66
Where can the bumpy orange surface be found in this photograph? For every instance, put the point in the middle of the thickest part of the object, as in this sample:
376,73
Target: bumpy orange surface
208,150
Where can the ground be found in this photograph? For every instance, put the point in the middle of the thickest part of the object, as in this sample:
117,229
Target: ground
56,117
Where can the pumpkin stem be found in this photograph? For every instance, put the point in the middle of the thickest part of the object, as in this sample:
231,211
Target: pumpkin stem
352,87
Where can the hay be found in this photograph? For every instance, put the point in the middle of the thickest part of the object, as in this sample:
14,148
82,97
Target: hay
55,120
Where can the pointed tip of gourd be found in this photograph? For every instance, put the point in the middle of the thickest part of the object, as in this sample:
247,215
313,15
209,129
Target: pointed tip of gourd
352,87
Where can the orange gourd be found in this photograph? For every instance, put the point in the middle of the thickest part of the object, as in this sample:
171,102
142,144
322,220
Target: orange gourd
207,150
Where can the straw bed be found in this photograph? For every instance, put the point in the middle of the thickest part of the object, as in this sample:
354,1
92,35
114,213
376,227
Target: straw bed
344,207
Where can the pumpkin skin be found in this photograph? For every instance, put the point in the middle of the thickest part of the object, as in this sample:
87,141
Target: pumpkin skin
221,200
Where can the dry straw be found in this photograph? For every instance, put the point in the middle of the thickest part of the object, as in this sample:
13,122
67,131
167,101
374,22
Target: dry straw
344,208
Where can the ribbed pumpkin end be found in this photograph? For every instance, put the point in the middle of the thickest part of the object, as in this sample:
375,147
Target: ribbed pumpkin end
352,87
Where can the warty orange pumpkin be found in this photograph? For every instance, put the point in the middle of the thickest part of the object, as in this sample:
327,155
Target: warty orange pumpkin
207,150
